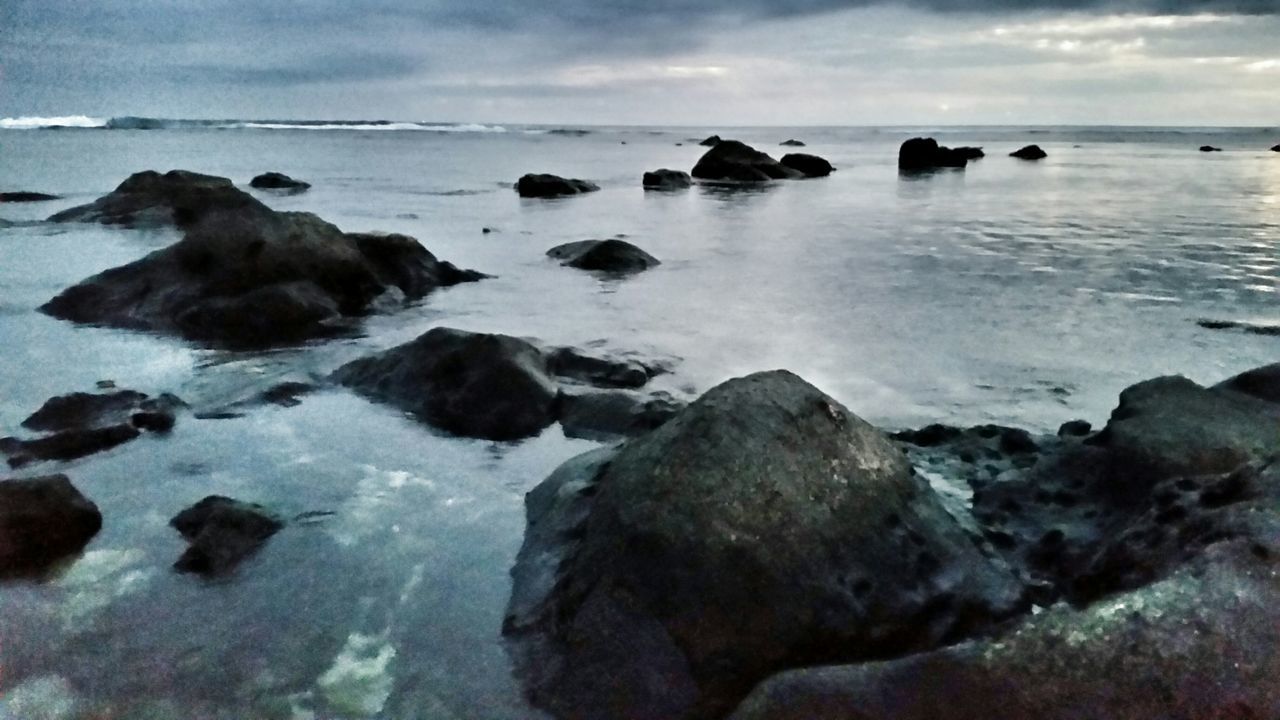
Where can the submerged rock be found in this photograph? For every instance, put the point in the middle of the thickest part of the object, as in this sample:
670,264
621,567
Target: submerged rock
612,256
81,424
253,277
1030,152
544,186
665,179
730,160
42,520
26,196
926,154
764,527
278,181
809,165
222,533
149,199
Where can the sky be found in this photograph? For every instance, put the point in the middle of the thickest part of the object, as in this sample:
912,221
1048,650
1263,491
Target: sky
649,62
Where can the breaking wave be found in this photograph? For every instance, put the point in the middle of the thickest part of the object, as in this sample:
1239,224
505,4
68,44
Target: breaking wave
129,122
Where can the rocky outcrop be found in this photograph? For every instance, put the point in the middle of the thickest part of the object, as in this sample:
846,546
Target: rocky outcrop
81,424
610,256
25,196
764,527
665,179
42,521
918,154
1030,152
1210,148
733,161
808,165
150,199
546,186
278,181
490,386
222,532
253,277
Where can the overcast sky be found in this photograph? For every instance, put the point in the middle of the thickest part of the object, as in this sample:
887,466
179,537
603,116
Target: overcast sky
699,62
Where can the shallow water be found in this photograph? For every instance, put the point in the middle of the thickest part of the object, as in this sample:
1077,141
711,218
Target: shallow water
1013,292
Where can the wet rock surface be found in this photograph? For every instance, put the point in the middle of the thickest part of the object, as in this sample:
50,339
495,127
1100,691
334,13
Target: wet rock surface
763,527
545,186
80,424
922,154
733,161
151,199
610,256
223,533
246,276
42,521
666,179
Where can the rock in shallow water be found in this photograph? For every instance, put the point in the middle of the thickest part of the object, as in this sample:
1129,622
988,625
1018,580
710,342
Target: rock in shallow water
809,165
919,154
545,186
764,527
612,256
1030,152
278,181
81,424
665,179
733,161
223,532
150,199
42,520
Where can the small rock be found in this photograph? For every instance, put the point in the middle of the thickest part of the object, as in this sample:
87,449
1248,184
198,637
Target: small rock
278,181
665,179
222,533
792,143
1210,148
711,141
612,256
546,186
1030,152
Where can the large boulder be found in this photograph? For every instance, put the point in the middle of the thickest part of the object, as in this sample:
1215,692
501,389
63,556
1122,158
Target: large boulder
545,186
278,181
1030,152
150,199
256,277
665,179
42,520
80,424
222,532
611,256
809,165
471,384
764,527
730,160
926,154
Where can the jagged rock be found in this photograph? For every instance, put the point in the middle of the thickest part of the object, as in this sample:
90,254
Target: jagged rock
612,255
926,154
545,186
222,533
809,165
763,527
1030,152
278,181
149,199
730,160
42,520
665,179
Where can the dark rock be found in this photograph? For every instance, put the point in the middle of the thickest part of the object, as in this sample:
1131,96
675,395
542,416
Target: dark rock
83,423
255,277
149,199
764,527
1030,152
730,160
1275,148
599,371
1075,428
1262,383
471,384
1253,328
42,520
66,445
84,410
1210,148
665,179
222,533
613,256
809,165
544,186
26,196
611,415
278,181
926,154
791,143
711,141
970,153
286,394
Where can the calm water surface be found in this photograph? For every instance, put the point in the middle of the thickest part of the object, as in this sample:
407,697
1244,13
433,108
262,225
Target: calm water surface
1012,292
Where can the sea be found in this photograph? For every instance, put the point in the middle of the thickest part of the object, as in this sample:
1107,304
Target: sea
1011,292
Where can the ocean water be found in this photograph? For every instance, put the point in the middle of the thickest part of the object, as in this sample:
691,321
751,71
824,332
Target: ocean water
1012,292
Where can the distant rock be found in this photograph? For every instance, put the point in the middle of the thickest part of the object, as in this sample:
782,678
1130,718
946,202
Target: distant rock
1210,148
730,160
1253,328
711,141
81,424
252,277
278,181
149,199
791,143
970,153
665,179
613,256
42,521
222,532
763,527
1030,152
545,186
926,154
26,196
810,165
